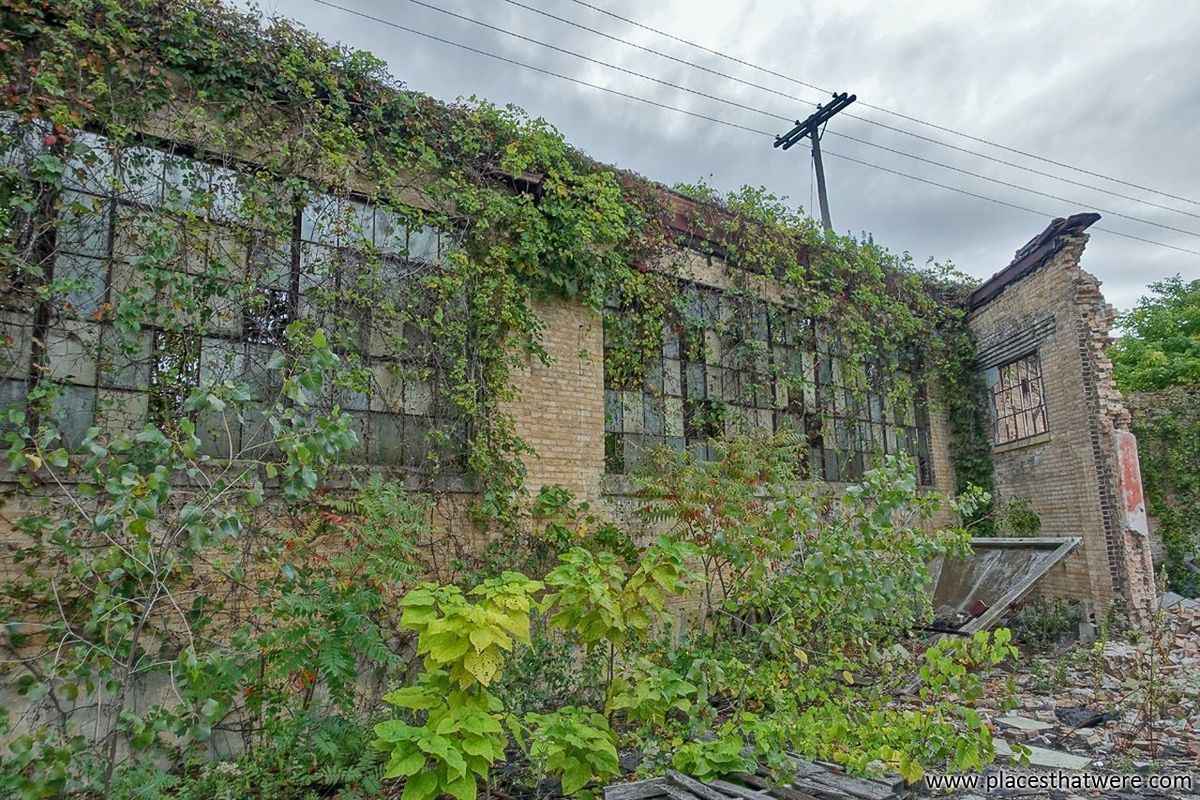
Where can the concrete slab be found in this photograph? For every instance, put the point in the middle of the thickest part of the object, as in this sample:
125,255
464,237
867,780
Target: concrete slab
1020,723
1042,757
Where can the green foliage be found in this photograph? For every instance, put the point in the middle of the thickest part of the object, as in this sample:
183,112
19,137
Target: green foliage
464,646
1157,361
1046,622
1167,426
646,692
575,744
1015,517
949,663
549,669
714,758
1160,347
839,569
458,742
597,600
470,639
944,730
228,570
963,397
291,767
147,549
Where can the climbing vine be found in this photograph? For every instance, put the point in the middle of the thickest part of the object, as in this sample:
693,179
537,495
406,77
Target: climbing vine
1167,424
247,274
529,217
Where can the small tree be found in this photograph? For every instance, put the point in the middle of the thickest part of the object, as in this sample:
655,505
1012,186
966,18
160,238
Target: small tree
1161,346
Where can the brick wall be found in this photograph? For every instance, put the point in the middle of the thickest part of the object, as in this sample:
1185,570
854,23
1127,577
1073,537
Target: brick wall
560,406
1069,473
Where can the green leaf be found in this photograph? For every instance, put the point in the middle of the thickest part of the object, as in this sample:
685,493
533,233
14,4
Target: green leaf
405,764
575,778
414,697
420,786
463,789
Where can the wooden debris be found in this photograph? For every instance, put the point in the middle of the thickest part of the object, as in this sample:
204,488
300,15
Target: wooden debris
812,782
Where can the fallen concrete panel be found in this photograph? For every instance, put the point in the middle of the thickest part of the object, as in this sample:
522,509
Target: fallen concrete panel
982,587
1020,723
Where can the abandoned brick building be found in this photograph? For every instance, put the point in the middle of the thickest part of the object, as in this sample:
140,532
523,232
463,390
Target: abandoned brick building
1059,431
1059,427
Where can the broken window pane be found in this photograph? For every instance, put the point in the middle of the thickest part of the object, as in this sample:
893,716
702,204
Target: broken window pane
72,413
1017,400
267,314
79,285
423,244
83,223
71,348
174,373
141,172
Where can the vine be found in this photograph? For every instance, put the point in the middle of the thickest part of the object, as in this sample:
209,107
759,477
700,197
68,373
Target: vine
306,267
530,217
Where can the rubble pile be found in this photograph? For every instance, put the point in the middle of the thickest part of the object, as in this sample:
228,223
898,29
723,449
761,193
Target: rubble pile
1120,704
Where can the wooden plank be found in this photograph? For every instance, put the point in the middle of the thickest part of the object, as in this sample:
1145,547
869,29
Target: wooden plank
805,767
741,792
676,792
790,793
750,780
890,781
811,785
855,787
694,786
638,790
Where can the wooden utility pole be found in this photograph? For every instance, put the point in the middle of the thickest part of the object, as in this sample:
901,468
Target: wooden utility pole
822,198
811,129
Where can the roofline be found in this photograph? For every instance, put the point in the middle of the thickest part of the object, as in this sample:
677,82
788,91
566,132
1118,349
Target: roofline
1032,256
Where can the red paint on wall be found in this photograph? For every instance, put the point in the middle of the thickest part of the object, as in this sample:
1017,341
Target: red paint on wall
1131,473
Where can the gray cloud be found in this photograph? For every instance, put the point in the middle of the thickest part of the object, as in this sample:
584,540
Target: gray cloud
1112,87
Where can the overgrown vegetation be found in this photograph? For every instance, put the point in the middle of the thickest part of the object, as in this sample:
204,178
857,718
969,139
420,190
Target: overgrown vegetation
1048,622
1160,343
1157,361
1167,426
246,277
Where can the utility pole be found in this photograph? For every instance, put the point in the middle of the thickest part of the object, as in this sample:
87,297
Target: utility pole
812,129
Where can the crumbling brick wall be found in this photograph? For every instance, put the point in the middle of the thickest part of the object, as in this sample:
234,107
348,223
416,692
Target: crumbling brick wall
1080,474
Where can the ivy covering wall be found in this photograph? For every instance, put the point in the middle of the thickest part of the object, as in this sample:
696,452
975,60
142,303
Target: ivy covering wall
257,177
255,291
1167,426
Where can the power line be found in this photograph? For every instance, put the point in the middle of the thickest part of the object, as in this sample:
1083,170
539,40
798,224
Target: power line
860,118
1003,202
717,120
884,109
596,61
551,73
744,107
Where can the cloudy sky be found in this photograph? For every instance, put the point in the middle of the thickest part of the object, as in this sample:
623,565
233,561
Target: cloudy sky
1111,87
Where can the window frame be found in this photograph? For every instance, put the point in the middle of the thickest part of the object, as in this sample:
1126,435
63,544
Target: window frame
166,178
1007,381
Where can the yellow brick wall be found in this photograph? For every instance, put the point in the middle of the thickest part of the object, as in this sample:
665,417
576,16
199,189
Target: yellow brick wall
1067,474
560,410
